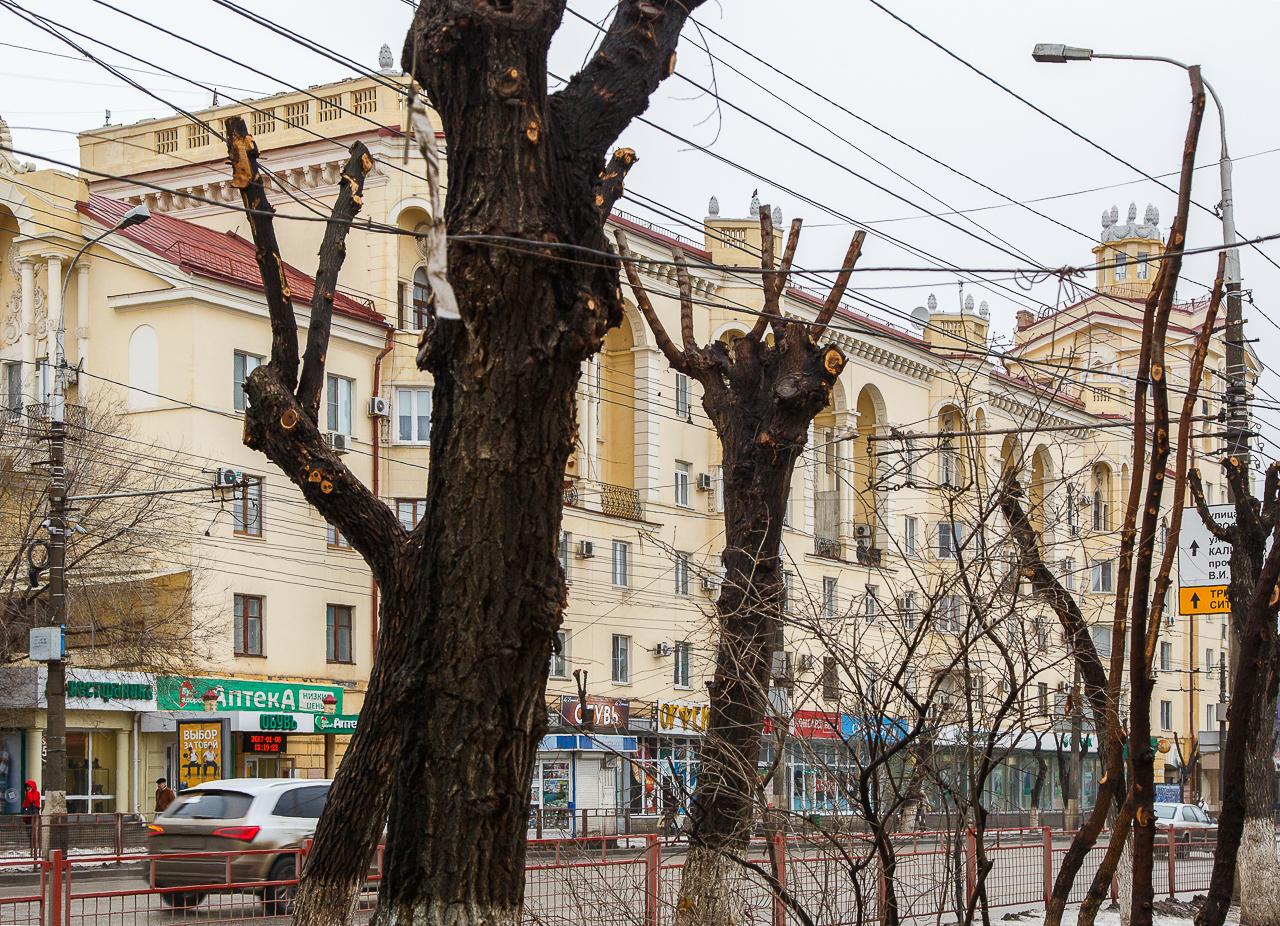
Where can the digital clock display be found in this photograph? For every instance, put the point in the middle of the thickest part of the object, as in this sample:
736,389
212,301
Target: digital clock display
265,743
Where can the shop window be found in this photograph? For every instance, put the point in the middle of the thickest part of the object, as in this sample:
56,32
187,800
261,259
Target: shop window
551,784
91,772
338,620
247,617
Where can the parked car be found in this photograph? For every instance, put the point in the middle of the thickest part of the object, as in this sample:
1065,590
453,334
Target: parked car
235,814
1188,822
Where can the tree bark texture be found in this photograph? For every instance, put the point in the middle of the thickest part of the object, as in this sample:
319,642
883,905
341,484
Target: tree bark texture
761,398
527,165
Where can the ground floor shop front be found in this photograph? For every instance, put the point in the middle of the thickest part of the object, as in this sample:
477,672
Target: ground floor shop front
125,730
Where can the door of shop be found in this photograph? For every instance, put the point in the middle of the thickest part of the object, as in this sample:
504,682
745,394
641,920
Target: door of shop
268,766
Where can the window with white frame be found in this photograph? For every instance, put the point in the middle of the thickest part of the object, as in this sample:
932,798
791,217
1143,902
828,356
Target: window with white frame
560,656
717,482
1166,656
1166,715
562,552
871,603
830,591
621,564
1144,266
1101,636
681,573
950,538
246,508
680,666
339,391
910,532
682,395
682,484
1069,574
413,414
1121,260
621,659
1211,716
410,511
1102,574
950,613
910,611
13,388
242,365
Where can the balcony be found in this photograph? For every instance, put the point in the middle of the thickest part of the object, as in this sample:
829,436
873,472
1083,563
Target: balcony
827,547
869,555
603,497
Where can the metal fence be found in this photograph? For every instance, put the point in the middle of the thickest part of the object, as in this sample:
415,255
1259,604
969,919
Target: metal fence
609,880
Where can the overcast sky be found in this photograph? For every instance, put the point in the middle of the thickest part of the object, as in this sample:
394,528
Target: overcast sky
849,51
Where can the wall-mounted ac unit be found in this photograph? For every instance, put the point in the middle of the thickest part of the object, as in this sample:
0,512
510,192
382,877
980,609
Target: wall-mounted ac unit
862,531
586,549
661,649
338,442
379,407
711,582
704,482
227,478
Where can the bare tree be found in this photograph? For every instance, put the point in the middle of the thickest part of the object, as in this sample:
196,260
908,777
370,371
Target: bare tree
131,603
761,397
454,710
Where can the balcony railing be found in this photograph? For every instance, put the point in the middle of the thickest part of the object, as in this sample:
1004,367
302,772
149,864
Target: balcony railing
869,555
606,498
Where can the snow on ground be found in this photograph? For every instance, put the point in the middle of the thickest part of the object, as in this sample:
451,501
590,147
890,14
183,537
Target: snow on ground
1108,918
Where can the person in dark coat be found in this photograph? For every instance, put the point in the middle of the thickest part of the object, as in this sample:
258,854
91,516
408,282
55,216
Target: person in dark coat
164,795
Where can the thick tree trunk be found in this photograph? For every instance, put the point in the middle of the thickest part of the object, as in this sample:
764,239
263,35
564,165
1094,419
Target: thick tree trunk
1258,866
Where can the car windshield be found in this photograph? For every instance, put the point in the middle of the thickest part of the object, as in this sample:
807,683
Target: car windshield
1164,811
210,805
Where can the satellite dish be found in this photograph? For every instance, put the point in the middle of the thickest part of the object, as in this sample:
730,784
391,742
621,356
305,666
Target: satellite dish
920,315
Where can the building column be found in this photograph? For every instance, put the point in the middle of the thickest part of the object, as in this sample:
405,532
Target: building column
35,761
810,483
82,328
27,270
54,308
846,483
648,364
330,753
124,772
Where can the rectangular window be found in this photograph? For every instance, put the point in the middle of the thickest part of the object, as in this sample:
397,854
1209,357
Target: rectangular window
621,564
334,539
197,135
247,613
167,141
680,669
1166,656
682,484
1211,717
910,530
1101,639
1042,698
560,656
1144,267
338,633
246,509
410,511
949,610
621,659
950,539
13,388
329,108
1210,663
829,594
788,595
910,613
413,415
364,101
1102,573
339,391
871,603
1166,715
717,480
562,552
264,122
1069,574
241,366
682,573
298,113
682,395
1121,260
830,679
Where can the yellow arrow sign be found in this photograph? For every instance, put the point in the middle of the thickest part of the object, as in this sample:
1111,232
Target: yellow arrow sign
1203,599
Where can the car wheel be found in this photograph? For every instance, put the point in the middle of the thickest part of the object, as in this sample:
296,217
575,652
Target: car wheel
278,898
182,900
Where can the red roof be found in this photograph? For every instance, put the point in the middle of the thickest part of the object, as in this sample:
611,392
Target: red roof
222,256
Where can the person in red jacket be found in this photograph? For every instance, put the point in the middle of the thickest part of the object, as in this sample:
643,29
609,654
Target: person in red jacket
31,799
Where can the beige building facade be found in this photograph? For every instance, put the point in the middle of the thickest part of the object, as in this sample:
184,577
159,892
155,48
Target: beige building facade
889,501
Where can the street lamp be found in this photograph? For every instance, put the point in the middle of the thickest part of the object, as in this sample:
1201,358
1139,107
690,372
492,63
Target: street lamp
1237,410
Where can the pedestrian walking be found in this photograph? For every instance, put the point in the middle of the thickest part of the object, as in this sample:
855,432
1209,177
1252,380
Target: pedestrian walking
164,795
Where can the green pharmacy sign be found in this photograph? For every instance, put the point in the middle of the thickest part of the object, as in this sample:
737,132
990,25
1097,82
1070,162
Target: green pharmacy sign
336,723
186,693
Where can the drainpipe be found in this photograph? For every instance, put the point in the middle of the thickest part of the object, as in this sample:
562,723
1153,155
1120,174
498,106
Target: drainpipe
137,761
377,473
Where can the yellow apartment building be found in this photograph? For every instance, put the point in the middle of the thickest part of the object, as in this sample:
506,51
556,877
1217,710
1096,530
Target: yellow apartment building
169,317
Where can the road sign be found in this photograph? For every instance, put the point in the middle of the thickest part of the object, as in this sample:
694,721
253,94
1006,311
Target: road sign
1204,563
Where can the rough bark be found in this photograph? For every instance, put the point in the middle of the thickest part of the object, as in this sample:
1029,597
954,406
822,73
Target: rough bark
522,164
761,399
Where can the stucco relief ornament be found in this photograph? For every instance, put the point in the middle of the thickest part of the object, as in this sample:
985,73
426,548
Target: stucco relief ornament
8,163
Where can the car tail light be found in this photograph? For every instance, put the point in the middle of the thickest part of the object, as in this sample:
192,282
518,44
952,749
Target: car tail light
242,833
154,829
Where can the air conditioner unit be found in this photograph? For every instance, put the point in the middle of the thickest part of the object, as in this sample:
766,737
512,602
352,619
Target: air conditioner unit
704,482
227,478
379,407
806,663
586,549
338,442
661,649
862,531
711,582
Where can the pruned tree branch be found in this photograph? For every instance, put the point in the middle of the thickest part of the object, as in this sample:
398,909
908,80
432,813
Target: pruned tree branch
242,151
1202,508
611,185
674,355
333,251
842,283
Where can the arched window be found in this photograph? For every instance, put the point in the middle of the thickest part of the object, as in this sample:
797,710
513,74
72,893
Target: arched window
1101,497
144,367
421,298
